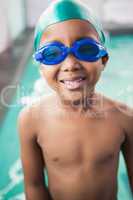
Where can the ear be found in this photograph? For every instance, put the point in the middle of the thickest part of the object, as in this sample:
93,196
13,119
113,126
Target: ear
105,60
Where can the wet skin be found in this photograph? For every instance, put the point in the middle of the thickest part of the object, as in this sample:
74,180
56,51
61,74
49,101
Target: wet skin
76,134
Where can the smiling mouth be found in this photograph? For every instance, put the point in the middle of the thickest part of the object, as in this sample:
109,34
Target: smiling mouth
75,83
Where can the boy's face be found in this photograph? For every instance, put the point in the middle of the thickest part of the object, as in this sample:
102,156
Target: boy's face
71,68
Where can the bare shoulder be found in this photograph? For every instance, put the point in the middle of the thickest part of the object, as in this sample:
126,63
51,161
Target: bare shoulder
30,116
123,114
26,122
117,106
126,116
123,109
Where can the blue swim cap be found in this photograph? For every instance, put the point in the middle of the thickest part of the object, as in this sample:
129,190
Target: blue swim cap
62,10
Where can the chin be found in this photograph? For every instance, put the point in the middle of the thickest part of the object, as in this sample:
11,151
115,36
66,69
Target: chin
74,94
71,96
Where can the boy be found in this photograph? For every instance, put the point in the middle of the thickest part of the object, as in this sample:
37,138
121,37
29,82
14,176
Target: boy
76,133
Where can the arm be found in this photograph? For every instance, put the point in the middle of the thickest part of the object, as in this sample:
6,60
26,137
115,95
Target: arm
127,149
32,159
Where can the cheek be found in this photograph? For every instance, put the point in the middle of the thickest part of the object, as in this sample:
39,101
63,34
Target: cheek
94,67
49,73
94,70
98,70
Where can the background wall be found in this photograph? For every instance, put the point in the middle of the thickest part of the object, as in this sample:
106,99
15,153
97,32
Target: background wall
34,9
12,21
15,15
112,12
4,38
119,12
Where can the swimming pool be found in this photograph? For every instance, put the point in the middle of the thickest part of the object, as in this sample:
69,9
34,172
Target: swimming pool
116,82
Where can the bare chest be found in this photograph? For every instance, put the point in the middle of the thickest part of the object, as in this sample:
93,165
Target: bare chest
80,142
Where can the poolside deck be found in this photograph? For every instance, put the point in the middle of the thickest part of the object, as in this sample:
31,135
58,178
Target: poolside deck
12,62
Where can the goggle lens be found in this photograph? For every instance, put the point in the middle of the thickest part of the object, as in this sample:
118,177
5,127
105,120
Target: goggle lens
87,50
52,53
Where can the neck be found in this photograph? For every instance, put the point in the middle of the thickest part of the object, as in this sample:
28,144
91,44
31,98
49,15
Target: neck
85,103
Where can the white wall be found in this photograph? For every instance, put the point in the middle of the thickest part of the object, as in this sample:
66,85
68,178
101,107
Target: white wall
115,11
13,15
97,7
12,21
16,16
119,12
4,30
34,9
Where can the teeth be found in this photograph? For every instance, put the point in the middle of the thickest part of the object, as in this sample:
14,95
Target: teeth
80,79
77,80
73,84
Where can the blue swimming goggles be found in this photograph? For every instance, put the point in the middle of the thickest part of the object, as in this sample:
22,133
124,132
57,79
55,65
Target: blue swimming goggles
55,52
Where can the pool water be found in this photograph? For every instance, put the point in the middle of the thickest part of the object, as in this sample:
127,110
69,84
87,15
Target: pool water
116,82
117,79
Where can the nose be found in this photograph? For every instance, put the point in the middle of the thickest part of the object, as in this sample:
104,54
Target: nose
71,63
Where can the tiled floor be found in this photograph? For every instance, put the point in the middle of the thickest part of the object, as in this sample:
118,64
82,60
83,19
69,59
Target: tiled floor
12,63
